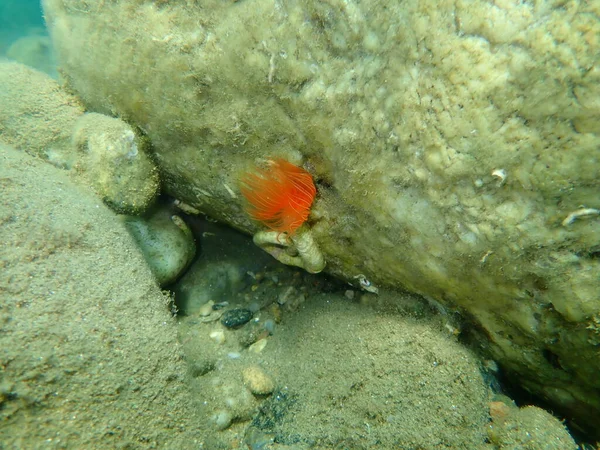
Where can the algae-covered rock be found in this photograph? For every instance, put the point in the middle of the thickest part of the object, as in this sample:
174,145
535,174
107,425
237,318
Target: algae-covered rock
454,146
88,348
527,428
115,163
38,116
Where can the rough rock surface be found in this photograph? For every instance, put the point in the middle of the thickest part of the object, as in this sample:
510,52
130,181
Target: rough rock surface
529,428
454,145
36,114
88,349
39,117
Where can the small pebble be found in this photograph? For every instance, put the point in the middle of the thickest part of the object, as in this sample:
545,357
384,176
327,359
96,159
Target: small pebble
218,336
269,326
235,318
251,333
215,315
285,295
220,305
349,294
257,439
276,312
222,420
258,346
206,309
257,381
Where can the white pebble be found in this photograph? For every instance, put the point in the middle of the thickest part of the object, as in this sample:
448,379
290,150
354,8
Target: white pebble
222,419
258,346
218,336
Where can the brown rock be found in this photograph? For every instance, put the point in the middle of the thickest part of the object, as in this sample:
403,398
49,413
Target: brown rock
257,381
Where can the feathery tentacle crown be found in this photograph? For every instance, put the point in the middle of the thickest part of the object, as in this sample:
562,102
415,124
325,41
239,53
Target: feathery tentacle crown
279,196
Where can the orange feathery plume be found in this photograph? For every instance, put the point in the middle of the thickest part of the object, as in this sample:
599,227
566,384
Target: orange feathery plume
279,196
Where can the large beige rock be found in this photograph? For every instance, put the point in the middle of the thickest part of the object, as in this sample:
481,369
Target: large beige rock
88,348
36,115
454,144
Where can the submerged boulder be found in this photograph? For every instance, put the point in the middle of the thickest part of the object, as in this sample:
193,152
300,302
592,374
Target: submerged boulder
454,146
41,118
88,347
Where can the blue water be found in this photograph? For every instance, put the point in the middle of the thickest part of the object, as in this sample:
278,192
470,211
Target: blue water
23,35
20,15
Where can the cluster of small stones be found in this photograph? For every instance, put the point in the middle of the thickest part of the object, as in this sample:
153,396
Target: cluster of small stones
233,334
